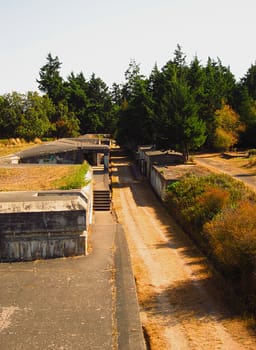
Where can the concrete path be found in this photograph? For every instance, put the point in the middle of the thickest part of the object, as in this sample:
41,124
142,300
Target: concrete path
73,303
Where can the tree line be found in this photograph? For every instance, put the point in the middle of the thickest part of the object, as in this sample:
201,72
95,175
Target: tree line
183,106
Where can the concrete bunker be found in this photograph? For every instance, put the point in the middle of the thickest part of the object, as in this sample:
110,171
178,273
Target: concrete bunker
51,224
66,151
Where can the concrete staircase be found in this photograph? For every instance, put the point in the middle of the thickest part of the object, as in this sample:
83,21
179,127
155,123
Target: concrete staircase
101,200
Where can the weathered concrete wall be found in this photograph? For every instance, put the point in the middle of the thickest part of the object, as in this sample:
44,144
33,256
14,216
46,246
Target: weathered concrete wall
42,225
23,248
158,183
147,157
161,158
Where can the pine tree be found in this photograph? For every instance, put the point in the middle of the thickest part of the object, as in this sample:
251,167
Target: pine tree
50,80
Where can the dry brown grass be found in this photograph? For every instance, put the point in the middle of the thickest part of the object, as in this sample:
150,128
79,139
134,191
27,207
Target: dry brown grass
33,177
9,149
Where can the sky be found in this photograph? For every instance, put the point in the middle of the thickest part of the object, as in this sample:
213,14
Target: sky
103,36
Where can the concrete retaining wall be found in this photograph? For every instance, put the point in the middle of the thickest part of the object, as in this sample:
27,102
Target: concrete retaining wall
35,225
23,248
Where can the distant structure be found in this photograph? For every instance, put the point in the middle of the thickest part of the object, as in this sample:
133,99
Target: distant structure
50,224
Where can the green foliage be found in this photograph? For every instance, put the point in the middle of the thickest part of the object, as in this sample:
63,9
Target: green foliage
196,200
25,116
219,213
75,180
66,124
50,80
174,108
135,125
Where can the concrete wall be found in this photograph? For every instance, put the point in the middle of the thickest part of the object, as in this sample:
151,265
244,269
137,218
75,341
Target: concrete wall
158,182
161,158
147,157
36,225
24,248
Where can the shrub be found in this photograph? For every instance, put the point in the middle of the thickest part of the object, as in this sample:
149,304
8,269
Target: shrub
219,213
193,201
233,237
207,205
75,180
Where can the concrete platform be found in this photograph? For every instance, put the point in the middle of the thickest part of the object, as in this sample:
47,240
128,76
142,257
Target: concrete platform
73,303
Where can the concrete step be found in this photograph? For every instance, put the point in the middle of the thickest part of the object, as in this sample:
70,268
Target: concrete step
101,200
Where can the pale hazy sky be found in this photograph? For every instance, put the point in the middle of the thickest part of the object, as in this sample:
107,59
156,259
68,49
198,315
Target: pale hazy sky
102,36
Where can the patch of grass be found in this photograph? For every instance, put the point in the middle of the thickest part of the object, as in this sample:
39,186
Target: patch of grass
39,178
75,179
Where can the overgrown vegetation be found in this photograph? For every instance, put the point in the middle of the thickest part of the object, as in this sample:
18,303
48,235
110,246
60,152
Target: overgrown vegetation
75,179
219,213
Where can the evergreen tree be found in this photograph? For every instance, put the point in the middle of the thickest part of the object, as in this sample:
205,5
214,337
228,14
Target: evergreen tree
135,116
245,105
50,80
219,85
249,81
99,111
76,97
184,130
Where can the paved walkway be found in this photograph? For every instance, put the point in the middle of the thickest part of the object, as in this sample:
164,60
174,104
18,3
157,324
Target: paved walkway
73,303
86,302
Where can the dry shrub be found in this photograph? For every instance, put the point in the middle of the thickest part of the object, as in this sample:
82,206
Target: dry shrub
16,141
208,204
233,237
12,142
37,140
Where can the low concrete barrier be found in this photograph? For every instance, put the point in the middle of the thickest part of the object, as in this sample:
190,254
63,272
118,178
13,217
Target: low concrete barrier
47,224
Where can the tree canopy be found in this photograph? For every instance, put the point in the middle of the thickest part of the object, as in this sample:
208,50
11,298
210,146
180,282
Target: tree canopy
183,105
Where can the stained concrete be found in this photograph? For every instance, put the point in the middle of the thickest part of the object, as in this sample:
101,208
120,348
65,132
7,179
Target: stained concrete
77,303
36,225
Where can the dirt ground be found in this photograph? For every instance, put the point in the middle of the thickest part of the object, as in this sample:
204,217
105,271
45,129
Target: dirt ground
183,305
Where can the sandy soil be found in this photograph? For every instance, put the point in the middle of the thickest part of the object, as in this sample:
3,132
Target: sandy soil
182,303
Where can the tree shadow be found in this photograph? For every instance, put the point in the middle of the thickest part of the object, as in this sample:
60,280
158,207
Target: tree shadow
196,302
187,299
245,175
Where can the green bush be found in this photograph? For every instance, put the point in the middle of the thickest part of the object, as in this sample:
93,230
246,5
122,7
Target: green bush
196,200
219,213
76,179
